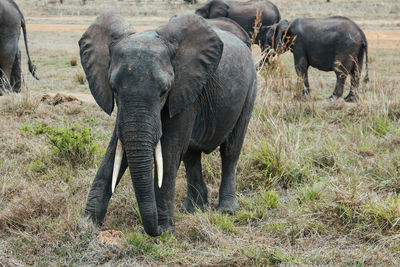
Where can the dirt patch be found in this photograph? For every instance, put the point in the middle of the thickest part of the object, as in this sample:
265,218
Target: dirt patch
58,99
111,238
384,39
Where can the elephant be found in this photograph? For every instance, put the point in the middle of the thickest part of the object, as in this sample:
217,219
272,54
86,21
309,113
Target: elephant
11,20
229,25
330,44
244,13
180,90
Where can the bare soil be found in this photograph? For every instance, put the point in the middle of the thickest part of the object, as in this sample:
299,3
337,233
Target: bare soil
385,39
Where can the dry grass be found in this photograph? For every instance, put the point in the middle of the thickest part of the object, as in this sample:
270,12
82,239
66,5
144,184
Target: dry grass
318,181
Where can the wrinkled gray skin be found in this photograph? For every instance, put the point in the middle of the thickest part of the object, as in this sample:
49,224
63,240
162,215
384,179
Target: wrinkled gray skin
11,21
331,44
187,84
244,13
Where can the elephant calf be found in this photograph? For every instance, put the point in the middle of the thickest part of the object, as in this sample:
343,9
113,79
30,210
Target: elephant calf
181,90
331,44
11,21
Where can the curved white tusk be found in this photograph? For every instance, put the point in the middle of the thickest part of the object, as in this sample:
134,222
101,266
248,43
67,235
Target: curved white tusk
159,164
119,153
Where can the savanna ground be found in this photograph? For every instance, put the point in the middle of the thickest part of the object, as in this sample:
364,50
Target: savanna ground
318,181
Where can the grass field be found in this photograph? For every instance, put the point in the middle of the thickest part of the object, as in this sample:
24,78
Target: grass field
318,181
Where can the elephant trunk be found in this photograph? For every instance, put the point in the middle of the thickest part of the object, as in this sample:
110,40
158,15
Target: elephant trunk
139,141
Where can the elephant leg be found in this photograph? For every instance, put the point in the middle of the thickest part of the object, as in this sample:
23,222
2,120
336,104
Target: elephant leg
5,72
355,75
230,152
196,187
174,142
100,191
301,66
340,79
16,77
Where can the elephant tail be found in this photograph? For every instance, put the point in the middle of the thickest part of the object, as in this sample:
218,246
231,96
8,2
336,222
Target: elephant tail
32,67
365,45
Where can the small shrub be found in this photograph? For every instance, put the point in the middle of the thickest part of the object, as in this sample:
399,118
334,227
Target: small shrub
310,193
74,145
37,166
80,78
73,62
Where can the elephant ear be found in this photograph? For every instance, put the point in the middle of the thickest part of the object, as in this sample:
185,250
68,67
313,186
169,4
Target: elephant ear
196,51
219,8
94,45
279,32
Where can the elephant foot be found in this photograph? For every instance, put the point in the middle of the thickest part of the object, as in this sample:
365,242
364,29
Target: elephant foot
191,205
351,97
228,205
91,217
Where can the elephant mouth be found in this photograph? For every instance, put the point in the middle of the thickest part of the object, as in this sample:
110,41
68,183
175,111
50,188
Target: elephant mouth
119,153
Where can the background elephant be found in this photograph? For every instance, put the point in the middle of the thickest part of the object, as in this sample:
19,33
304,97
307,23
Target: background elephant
11,20
244,13
183,89
229,25
331,44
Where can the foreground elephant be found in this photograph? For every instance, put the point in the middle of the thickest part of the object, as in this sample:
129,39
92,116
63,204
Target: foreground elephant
331,44
244,13
11,21
183,89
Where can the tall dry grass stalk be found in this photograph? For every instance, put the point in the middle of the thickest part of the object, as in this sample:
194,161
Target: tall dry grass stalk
257,25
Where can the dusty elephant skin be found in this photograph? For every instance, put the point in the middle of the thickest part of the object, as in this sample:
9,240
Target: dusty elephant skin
332,44
11,21
244,13
186,86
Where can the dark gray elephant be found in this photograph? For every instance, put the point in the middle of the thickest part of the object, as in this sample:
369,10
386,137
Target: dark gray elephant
11,21
183,89
331,44
226,24
244,13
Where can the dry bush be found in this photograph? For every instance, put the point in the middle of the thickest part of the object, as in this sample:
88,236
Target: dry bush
73,62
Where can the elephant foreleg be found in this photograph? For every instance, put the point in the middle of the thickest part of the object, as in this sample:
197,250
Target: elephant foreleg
301,66
100,191
16,77
174,143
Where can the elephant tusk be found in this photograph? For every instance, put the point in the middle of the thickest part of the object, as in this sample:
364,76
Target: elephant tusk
159,164
119,153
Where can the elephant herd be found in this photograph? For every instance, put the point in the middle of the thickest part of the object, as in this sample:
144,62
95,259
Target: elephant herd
185,88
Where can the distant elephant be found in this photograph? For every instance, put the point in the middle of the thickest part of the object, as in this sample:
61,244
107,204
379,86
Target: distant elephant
229,25
244,13
331,44
182,89
11,20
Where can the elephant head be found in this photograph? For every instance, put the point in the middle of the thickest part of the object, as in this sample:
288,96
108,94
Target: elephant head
165,69
274,36
213,9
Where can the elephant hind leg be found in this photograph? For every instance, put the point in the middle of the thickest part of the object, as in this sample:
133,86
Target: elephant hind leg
16,77
196,187
230,152
355,74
